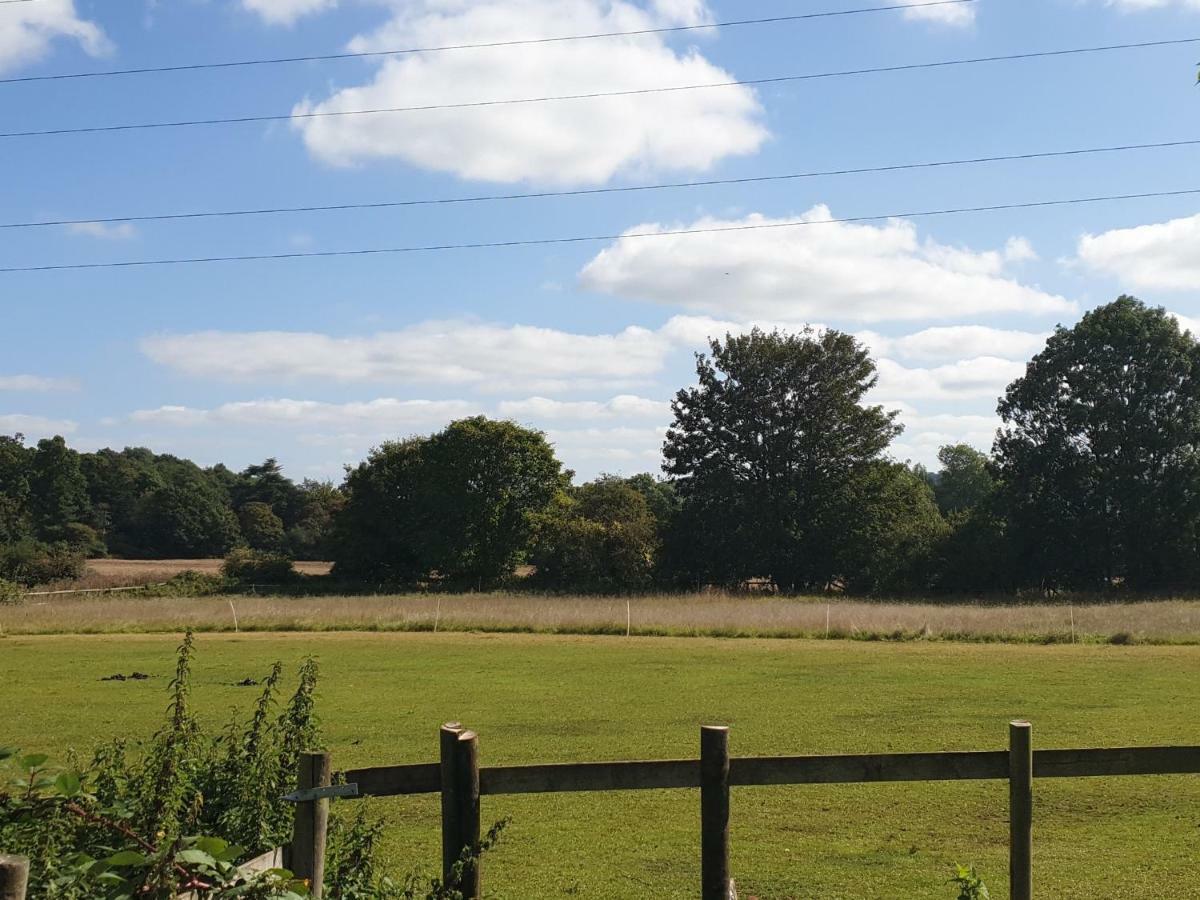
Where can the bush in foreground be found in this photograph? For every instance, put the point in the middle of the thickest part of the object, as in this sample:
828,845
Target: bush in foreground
31,563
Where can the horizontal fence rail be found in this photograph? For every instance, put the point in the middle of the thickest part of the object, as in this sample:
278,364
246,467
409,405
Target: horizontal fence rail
425,778
461,781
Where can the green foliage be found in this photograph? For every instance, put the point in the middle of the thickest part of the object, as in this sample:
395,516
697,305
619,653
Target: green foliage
188,519
458,505
601,536
311,537
965,481
14,489
126,826
58,491
892,533
970,885
1100,453
765,451
10,592
30,563
262,529
258,567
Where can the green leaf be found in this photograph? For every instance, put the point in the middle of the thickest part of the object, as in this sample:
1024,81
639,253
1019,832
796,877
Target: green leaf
32,761
8,752
195,857
68,784
127,858
211,845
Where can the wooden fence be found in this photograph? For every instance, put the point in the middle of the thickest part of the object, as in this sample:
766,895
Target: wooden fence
461,781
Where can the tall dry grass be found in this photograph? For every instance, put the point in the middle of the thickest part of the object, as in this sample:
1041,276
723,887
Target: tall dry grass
1165,621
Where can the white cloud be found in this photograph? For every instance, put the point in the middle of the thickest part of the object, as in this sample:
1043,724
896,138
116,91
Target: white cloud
286,12
563,143
808,267
108,231
957,342
1163,256
983,378
28,29
924,435
384,413
492,357
622,407
34,426
621,450
1143,5
1187,323
35,383
959,15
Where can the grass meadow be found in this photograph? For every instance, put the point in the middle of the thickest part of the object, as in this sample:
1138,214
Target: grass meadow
538,698
714,615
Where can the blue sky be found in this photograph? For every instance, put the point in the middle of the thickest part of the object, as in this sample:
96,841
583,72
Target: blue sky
316,360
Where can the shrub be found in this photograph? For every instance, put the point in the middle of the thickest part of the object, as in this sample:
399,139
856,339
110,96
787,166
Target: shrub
262,529
970,885
10,592
258,567
31,563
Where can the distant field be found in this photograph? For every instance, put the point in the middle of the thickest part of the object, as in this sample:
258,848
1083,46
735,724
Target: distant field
558,699
1168,621
137,571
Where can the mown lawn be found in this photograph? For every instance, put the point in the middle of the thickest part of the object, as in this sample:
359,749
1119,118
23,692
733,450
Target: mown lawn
547,699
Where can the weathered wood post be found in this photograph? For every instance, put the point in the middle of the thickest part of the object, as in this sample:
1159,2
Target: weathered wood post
14,877
306,853
466,771
451,830
1020,806
714,813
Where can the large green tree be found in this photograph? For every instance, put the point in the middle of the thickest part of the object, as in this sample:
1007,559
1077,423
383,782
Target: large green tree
765,451
458,505
1100,452
58,490
602,535
14,489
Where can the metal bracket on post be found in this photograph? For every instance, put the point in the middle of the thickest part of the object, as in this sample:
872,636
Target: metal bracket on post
322,793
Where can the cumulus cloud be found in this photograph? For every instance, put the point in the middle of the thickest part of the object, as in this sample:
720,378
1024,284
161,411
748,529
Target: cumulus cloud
107,231
286,12
983,378
34,426
491,357
28,29
619,450
1162,256
35,383
1143,5
384,413
809,267
958,15
957,342
562,143
623,407
925,434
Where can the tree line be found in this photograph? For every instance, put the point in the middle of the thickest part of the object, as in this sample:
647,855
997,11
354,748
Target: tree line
776,472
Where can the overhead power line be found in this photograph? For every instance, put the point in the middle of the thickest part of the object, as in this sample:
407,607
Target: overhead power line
909,67
585,192
595,238
369,54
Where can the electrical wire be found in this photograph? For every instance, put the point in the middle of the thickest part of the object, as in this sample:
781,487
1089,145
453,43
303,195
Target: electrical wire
584,192
369,54
240,120
541,242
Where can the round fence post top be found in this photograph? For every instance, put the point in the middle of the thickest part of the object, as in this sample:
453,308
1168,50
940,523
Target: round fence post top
1020,723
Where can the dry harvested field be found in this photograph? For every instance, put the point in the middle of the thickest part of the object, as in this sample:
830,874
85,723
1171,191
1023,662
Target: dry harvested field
138,571
1159,622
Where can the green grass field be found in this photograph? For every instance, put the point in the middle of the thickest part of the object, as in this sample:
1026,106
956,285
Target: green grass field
550,699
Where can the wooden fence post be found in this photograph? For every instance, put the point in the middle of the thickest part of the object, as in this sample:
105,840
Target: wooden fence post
306,854
14,877
451,830
1020,806
714,813
466,771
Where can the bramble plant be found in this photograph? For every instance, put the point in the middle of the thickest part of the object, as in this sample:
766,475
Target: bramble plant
181,815
970,885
